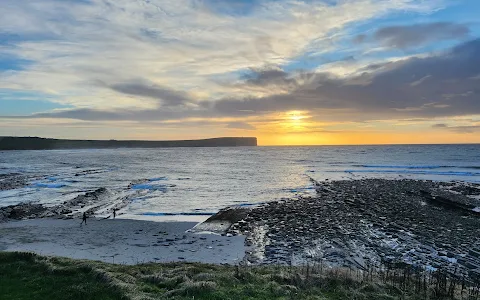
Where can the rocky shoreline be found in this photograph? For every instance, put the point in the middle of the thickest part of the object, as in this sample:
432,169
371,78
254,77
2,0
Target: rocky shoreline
12,181
356,224
367,223
92,203
96,203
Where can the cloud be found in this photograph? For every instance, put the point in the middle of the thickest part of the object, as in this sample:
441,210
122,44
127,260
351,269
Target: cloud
167,96
240,125
214,66
416,35
466,129
436,85
268,76
177,44
459,128
439,85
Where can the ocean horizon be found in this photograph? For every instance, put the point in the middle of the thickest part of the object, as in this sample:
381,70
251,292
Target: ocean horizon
201,181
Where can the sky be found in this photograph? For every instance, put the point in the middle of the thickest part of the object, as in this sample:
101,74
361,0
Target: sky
290,72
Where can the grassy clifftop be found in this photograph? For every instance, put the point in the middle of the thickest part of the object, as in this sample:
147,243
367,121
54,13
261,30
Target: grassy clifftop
29,276
36,143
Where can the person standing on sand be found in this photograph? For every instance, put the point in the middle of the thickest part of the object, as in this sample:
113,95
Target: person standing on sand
114,213
84,219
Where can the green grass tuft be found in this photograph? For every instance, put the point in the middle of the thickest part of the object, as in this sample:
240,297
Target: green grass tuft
26,276
29,276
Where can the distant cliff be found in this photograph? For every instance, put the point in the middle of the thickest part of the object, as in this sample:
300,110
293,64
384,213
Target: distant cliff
36,143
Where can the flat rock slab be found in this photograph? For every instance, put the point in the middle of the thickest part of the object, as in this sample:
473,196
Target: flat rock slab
120,241
370,222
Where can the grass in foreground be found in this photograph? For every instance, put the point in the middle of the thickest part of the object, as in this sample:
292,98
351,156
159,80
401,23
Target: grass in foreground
29,276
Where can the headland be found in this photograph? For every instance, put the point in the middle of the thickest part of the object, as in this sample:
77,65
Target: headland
38,143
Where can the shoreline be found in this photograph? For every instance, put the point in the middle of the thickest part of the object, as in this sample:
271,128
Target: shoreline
354,224
120,241
360,224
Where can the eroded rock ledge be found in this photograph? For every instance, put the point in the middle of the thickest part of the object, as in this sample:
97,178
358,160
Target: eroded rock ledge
89,202
12,181
369,222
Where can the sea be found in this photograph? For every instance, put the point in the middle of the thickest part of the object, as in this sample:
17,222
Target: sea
200,181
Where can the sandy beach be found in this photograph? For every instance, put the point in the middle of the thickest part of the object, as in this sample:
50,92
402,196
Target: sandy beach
120,241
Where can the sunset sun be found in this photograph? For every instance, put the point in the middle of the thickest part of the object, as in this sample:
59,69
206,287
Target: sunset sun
295,116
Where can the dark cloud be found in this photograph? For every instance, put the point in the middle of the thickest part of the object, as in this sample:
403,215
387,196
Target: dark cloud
440,85
416,35
375,67
435,86
466,129
240,125
168,96
159,114
268,76
459,129
86,114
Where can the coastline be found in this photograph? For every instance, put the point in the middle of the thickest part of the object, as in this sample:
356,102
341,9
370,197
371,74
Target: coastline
8,143
370,223
355,224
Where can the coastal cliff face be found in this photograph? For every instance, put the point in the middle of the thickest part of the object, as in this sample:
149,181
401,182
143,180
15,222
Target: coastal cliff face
36,143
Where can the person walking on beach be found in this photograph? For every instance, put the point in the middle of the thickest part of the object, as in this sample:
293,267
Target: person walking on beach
84,219
114,213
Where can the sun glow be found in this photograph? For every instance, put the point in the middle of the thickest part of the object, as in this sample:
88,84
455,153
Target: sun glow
295,121
295,115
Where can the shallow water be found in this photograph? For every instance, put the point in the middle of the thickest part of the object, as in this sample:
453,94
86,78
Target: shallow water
200,181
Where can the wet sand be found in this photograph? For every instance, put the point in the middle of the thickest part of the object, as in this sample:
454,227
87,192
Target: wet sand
120,241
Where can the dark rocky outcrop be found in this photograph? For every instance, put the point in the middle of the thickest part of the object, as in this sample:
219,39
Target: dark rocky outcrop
449,201
65,210
222,221
230,214
369,222
12,181
87,197
21,211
